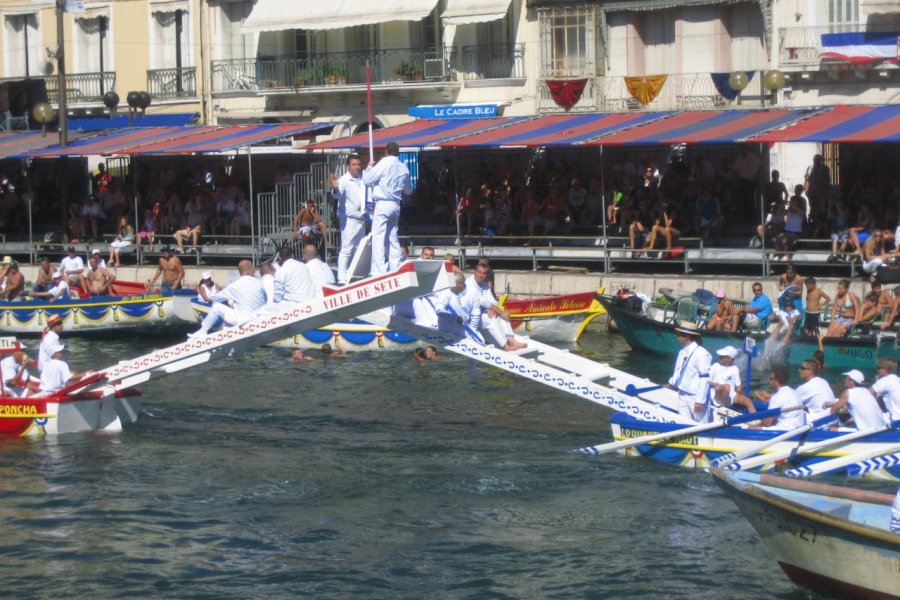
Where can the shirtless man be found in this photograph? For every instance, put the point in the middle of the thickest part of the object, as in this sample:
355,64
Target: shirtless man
816,299
895,310
721,321
791,278
307,221
98,281
171,269
885,302
43,280
15,283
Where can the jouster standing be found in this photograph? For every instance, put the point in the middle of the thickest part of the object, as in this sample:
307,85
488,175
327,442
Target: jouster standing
350,194
691,375
390,179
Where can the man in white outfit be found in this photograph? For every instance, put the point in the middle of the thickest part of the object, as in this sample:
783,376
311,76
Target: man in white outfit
236,303
293,283
814,392
390,179
783,397
691,375
887,387
350,194
859,401
320,273
490,316
49,339
453,308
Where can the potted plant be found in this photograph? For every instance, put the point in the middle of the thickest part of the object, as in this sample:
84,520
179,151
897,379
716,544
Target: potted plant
304,78
409,71
337,76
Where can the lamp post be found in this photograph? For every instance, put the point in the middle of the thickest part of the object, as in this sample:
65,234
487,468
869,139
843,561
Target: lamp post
111,101
43,114
61,75
137,101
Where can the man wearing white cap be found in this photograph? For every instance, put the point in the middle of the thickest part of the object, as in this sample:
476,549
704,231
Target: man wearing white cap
887,387
691,375
56,374
100,260
725,382
207,288
859,401
59,290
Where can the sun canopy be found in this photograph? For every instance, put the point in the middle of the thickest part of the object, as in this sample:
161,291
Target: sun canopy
842,124
14,143
279,15
222,139
704,127
554,130
417,134
122,141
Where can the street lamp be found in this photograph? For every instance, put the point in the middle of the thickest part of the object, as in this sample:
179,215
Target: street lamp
137,101
43,114
111,101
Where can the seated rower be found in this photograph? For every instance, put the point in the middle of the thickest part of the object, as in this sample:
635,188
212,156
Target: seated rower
859,401
17,382
782,397
55,374
59,290
236,303
495,320
725,389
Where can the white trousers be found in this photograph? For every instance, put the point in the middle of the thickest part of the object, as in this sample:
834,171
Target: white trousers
352,233
385,243
498,328
222,311
686,409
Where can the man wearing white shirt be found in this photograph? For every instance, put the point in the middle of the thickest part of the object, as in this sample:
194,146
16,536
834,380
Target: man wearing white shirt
320,273
72,266
293,283
236,303
814,392
691,375
887,387
782,398
454,307
59,290
350,194
390,179
862,405
14,370
489,315
267,276
49,339
56,373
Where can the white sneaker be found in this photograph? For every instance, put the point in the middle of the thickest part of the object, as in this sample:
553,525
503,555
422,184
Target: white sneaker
197,334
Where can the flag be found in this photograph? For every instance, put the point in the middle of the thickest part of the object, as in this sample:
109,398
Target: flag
860,47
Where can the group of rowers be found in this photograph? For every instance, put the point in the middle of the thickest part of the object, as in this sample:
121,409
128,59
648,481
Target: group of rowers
705,387
54,373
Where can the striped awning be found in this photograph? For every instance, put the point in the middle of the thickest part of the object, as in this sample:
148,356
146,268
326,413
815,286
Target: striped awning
222,139
704,127
121,141
554,130
416,135
842,123
14,143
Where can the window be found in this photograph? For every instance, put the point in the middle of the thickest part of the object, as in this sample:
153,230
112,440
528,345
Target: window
567,41
92,41
842,13
170,30
22,46
233,44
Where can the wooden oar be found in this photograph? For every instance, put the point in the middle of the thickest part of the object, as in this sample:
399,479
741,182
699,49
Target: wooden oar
614,446
727,459
835,464
758,461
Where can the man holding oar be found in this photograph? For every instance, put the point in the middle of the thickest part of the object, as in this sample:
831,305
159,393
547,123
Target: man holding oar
814,392
887,387
862,405
782,398
691,375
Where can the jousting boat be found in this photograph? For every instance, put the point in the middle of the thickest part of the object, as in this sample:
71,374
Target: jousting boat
131,306
551,319
107,400
831,539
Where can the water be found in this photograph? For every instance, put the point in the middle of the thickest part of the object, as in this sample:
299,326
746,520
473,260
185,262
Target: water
365,476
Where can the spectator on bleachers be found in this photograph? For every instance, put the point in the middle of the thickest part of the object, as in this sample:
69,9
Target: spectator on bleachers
875,253
884,298
746,171
241,219
844,310
776,191
148,230
555,209
722,320
708,216
771,227
841,243
93,216
469,211
75,223
702,171
895,310
786,241
531,212
169,215
225,208
640,226
791,279
663,225
815,183
113,202
124,239
577,199
860,232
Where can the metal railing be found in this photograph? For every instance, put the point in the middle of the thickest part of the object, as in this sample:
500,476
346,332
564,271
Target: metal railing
80,87
682,91
499,61
339,68
172,83
803,45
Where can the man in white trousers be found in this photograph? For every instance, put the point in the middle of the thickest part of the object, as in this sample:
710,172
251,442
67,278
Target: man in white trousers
236,303
390,180
350,194
691,375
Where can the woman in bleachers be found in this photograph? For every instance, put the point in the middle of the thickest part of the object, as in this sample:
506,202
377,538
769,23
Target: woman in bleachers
875,253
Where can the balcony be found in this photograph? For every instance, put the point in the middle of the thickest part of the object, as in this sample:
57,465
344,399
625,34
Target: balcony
682,91
81,88
491,62
335,70
801,46
165,84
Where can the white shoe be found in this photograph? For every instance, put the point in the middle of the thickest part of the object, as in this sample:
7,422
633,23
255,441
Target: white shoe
197,334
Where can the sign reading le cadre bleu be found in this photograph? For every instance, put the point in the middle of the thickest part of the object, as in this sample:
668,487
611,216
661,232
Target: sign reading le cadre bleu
453,111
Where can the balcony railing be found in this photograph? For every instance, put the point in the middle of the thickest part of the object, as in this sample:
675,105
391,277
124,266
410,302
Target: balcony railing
682,91
802,45
172,83
492,62
80,87
339,68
